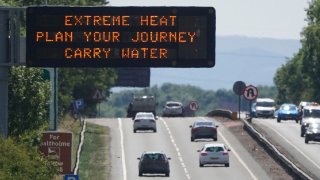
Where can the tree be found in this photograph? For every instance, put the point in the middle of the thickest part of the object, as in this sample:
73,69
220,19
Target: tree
81,83
28,100
299,78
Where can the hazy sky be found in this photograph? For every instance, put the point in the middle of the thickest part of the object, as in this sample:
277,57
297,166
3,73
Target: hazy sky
282,19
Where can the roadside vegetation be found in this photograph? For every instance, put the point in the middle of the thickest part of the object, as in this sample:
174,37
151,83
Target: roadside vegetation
94,160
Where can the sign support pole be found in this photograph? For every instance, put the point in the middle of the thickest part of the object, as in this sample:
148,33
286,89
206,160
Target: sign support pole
239,101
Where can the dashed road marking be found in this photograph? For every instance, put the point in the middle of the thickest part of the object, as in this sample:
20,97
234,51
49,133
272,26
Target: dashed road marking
177,150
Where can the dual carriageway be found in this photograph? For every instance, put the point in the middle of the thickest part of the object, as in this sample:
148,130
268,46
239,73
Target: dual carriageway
173,138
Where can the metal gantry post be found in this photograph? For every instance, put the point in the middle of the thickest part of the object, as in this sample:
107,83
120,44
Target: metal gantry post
4,82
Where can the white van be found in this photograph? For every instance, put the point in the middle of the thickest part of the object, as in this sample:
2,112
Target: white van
265,107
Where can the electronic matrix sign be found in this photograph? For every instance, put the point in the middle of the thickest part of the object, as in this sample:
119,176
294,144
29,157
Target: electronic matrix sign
120,36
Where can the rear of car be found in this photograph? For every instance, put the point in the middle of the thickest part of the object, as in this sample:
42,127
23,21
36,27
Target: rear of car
204,130
313,133
144,124
214,154
288,112
154,163
140,115
172,108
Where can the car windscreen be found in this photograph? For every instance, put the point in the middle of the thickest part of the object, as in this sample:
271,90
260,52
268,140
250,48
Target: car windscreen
173,104
204,124
154,156
314,113
288,108
265,104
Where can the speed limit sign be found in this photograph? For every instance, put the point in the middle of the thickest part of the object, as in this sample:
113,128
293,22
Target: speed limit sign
250,92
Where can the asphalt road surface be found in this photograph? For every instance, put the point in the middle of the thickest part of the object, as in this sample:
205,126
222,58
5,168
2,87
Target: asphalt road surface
173,138
286,136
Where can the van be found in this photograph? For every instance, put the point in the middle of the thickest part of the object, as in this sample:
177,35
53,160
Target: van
265,107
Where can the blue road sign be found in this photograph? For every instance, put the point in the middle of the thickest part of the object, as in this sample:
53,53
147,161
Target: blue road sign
71,177
78,104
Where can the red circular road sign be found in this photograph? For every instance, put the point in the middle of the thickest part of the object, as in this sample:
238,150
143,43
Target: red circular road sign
193,105
250,92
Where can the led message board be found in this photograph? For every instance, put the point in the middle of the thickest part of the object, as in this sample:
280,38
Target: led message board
120,36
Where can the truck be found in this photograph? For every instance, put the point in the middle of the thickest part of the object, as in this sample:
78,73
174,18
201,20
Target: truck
141,103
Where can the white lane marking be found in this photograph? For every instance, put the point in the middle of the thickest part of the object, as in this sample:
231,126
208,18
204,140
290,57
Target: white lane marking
124,169
314,163
238,157
177,150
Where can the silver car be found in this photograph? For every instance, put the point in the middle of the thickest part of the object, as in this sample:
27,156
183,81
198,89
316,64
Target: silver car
172,108
144,124
204,129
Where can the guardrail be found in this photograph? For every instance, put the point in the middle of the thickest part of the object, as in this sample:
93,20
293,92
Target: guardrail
293,170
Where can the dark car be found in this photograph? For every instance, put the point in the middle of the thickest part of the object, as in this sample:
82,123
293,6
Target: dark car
313,133
288,112
204,129
154,162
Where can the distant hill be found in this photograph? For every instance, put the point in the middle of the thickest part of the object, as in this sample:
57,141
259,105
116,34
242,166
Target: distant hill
252,60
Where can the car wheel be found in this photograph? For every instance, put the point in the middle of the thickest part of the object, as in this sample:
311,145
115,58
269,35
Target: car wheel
278,120
306,141
140,173
200,165
215,139
134,131
227,165
167,174
192,139
155,130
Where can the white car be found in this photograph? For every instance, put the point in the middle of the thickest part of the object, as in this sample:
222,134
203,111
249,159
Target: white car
144,124
172,108
215,153
140,115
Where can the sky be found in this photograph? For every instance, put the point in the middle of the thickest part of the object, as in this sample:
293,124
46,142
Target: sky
276,19
280,19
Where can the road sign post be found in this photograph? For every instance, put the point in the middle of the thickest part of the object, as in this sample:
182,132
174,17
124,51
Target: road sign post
250,93
238,88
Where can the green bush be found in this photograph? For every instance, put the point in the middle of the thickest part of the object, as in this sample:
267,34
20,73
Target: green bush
17,161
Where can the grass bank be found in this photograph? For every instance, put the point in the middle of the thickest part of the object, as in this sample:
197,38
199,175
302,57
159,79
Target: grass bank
94,159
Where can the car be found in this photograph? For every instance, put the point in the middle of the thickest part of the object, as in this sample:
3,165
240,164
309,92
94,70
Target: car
310,114
154,162
173,108
215,153
312,133
253,112
204,129
144,124
288,112
265,107
140,115
302,104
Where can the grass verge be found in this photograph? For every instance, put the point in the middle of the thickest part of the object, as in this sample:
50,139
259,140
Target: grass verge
94,159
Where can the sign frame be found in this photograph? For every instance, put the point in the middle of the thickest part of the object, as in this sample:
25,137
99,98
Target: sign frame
46,52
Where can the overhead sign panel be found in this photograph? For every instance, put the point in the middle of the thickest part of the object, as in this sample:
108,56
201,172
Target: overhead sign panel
120,36
133,77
